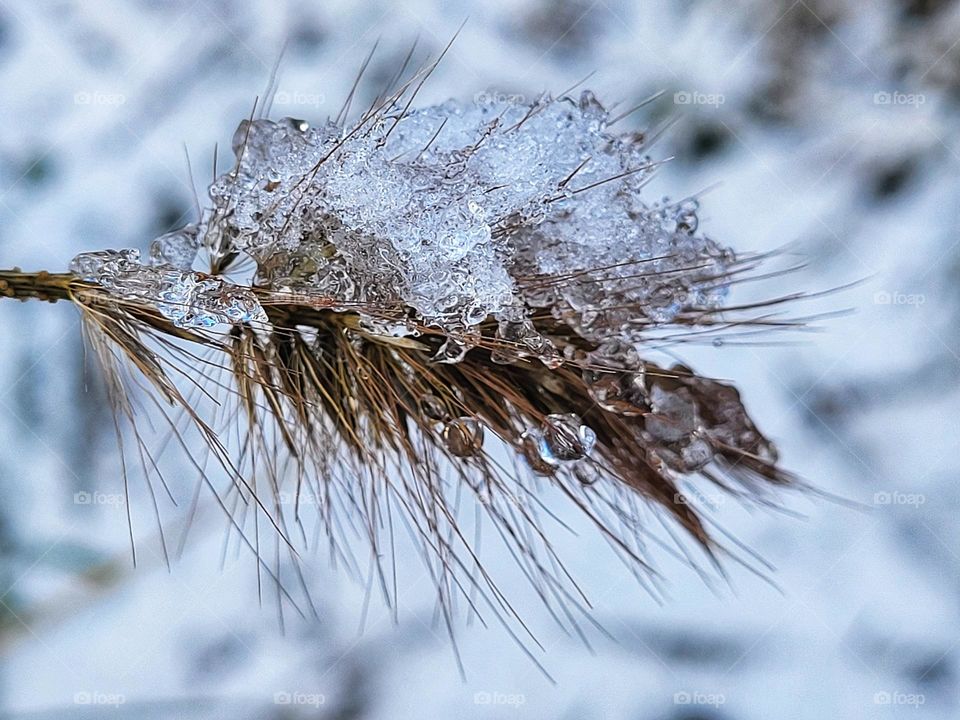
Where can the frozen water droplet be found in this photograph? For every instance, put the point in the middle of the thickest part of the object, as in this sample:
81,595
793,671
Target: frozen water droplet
463,436
177,249
296,124
566,437
475,314
388,328
586,472
687,220
433,407
537,454
623,393
520,339
549,355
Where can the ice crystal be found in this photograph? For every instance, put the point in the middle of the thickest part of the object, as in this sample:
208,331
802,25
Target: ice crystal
187,298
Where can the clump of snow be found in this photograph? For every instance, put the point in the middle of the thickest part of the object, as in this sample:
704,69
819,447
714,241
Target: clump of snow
455,213
451,210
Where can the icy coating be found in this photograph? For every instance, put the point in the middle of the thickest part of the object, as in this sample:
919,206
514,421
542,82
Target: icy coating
451,209
187,298
456,212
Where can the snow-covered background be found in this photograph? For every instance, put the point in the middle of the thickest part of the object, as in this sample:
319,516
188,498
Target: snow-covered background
831,127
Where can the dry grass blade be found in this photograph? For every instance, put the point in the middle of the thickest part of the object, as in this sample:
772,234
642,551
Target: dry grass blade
313,402
359,419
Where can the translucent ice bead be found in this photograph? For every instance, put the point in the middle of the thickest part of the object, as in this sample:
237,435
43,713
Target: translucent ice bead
566,437
463,436
177,249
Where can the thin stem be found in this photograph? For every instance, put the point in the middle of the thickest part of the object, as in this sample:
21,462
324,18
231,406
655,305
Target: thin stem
40,285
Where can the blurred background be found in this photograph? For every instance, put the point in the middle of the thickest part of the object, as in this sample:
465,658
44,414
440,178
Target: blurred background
828,126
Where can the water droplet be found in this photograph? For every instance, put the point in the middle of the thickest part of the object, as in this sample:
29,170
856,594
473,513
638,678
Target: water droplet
687,220
620,393
586,472
433,407
300,126
520,339
475,314
177,249
537,454
550,356
388,327
463,436
567,438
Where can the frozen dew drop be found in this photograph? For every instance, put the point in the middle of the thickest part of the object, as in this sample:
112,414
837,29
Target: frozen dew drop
550,356
687,220
296,124
463,436
566,437
537,453
177,249
620,393
519,335
433,407
586,472
388,327
474,315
